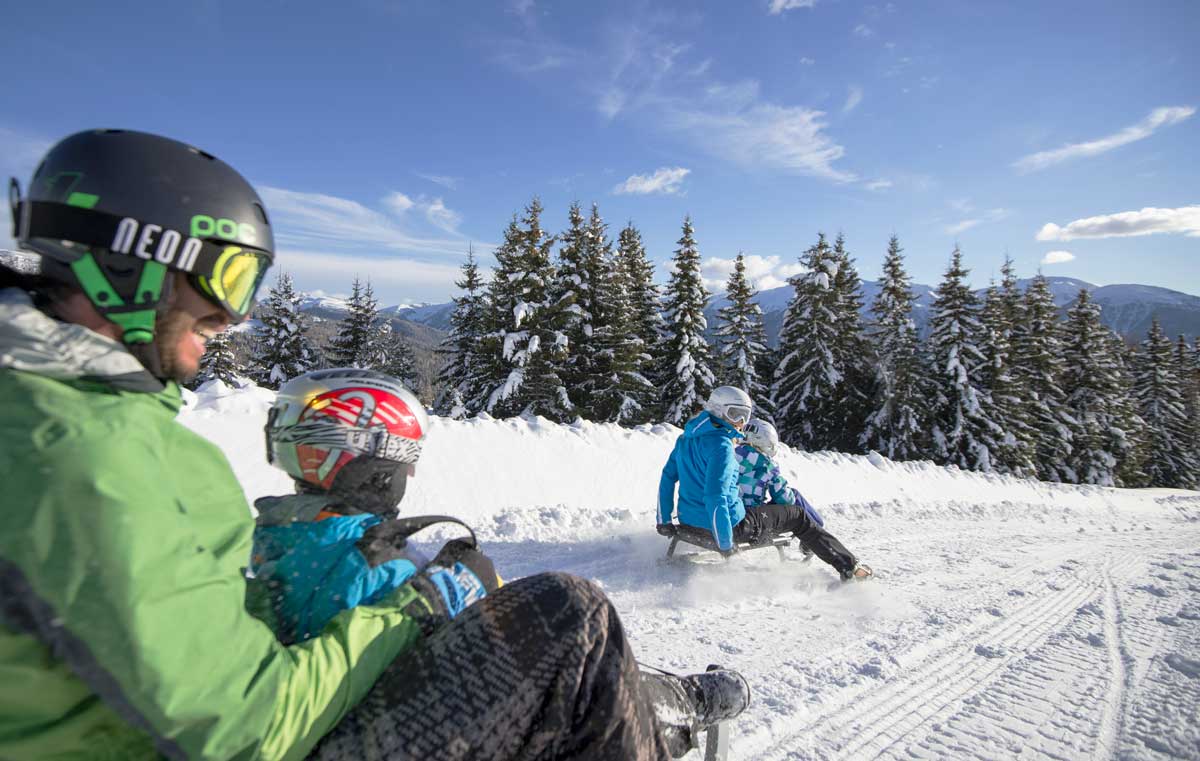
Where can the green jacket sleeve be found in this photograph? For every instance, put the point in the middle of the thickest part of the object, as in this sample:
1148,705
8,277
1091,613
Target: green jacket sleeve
122,579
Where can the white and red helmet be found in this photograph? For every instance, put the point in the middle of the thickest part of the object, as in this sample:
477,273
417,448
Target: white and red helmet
324,420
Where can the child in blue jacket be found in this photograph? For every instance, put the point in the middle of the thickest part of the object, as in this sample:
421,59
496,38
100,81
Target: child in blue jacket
704,464
350,442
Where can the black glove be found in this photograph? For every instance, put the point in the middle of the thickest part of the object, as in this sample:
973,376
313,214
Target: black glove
666,529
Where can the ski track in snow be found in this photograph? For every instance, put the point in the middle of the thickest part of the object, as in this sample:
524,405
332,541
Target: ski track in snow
1009,619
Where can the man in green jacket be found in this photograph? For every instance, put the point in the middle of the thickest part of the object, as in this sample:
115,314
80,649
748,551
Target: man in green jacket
123,627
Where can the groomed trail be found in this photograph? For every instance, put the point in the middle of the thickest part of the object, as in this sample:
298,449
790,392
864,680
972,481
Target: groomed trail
1010,618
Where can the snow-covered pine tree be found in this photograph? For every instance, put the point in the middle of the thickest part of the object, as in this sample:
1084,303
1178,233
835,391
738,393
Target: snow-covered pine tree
460,376
218,361
356,342
1169,458
525,344
742,340
965,432
852,353
617,389
645,317
1091,383
1038,365
1128,439
394,356
573,293
805,388
282,349
896,426
1015,452
685,359
1187,368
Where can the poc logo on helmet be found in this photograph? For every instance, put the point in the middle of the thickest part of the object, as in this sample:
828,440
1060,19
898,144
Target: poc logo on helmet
204,226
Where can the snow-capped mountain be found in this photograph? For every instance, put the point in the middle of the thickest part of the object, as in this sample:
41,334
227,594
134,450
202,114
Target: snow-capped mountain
1127,309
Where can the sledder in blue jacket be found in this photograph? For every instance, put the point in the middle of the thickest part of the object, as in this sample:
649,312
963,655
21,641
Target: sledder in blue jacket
704,466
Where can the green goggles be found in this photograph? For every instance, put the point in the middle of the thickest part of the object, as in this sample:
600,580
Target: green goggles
233,280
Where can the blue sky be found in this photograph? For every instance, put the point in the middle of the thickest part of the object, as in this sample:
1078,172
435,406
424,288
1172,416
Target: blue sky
386,137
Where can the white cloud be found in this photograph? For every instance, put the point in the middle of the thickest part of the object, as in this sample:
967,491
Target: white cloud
806,61
880,184
441,217
19,155
962,226
763,272
864,31
446,181
777,7
1058,257
1148,221
392,277
398,202
315,221
853,98
964,206
666,180
1158,118
735,124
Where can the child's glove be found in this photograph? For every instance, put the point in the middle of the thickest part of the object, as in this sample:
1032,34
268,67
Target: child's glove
459,576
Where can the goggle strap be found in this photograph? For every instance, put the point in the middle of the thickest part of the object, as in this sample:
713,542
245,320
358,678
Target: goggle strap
101,293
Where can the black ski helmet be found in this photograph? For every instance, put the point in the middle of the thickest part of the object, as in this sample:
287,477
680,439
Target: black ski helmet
110,211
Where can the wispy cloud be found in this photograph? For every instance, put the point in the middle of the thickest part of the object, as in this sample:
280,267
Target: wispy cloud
397,202
411,278
667,180
965,207
316,221
962,226
734,123
1058,257
441,217
806,61
763,272
864,31
853,97
777,7
1158,118
1149,221
446,181
19,154
880,184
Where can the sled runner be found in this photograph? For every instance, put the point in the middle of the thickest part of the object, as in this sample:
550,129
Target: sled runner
699,537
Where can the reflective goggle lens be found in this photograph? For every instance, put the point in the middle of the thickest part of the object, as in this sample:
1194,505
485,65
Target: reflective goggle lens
737,413
235,278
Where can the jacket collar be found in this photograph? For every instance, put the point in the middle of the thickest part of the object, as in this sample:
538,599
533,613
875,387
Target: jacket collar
34,342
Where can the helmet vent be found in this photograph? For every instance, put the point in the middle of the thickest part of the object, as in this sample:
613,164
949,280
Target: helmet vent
262,214
204,154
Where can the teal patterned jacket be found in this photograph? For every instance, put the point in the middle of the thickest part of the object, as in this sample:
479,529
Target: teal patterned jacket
760,482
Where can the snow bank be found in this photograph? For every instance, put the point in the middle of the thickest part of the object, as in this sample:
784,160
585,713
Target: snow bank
531,479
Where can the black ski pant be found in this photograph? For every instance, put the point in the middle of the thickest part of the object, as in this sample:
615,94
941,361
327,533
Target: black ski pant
540,669
763,521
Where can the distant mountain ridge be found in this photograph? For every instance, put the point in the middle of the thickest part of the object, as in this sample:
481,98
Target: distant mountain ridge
1126,308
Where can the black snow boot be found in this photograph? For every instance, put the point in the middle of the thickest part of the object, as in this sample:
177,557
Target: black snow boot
688,705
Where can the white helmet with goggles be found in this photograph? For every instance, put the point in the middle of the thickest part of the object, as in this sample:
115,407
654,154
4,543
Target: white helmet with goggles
731,404
762,436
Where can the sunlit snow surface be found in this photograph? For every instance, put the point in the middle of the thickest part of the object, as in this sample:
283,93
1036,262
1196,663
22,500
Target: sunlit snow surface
1010,618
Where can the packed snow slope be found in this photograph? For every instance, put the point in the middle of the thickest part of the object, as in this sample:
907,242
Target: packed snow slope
1010,618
